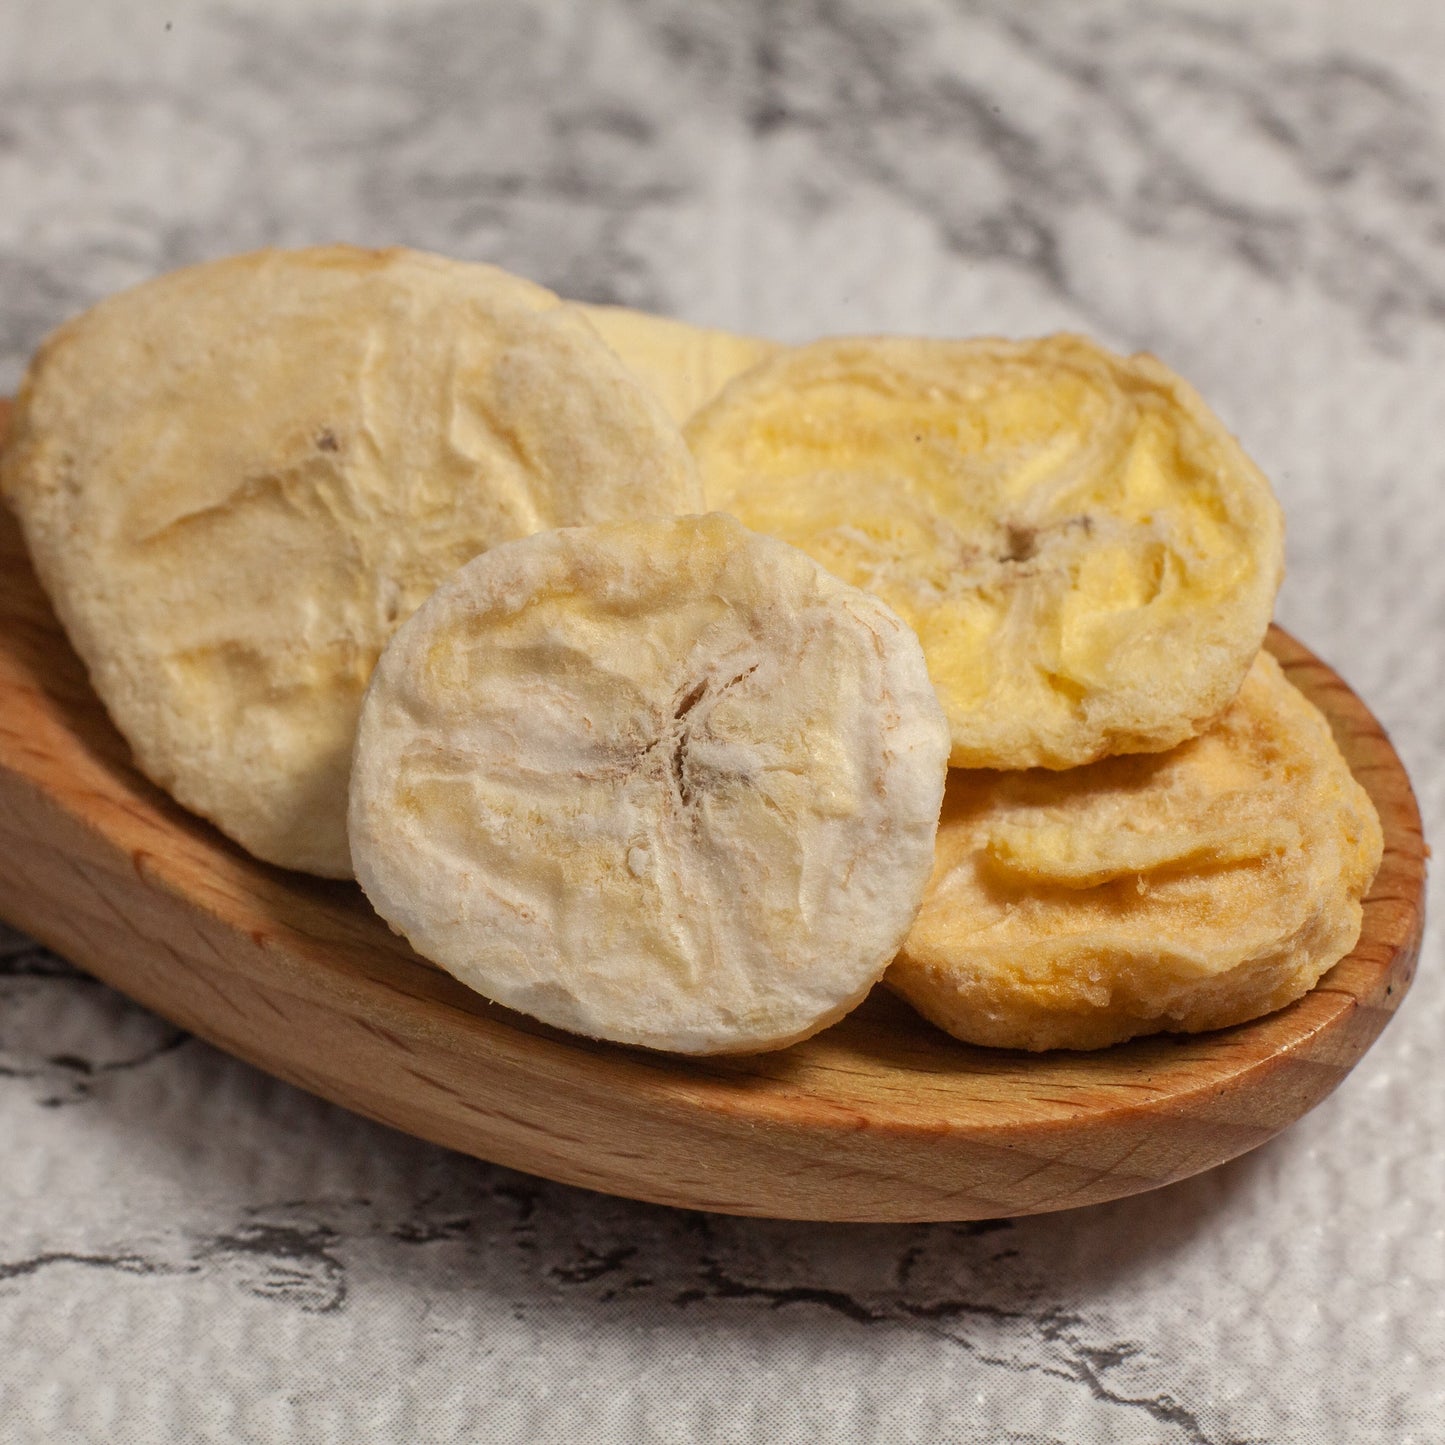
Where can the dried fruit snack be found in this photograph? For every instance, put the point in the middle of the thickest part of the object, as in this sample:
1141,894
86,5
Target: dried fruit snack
237,479
1181,891
1089,558
667,783
684,365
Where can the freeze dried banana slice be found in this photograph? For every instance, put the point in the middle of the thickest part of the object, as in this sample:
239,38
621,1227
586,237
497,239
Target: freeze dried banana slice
1177,891
666,783
1089,558
684,365
236,480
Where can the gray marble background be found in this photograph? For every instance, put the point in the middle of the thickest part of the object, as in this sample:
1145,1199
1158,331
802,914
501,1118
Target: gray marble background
190,1250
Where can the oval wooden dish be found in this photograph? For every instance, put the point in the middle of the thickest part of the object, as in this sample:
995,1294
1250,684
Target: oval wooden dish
879,1118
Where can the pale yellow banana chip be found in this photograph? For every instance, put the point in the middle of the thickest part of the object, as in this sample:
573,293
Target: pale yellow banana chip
1177,891
684,365
665,783
237,479
1089,558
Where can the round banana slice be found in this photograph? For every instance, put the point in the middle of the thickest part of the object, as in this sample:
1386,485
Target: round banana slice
666,783
1087,555
237,479
1181,891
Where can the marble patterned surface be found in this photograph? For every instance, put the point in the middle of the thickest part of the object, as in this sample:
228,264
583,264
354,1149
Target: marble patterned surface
190,1250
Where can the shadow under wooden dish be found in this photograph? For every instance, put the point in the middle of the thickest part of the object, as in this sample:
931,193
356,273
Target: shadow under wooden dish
879,1118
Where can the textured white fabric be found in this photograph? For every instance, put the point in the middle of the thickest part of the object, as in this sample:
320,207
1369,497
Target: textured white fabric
1256,191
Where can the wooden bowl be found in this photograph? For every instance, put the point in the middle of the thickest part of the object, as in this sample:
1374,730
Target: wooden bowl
879,1118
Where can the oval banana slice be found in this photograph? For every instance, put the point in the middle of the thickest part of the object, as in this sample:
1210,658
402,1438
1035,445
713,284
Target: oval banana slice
1089,558
666,783
237,479
1179,891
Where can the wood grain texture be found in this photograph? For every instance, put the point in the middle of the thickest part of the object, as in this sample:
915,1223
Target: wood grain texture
879,1118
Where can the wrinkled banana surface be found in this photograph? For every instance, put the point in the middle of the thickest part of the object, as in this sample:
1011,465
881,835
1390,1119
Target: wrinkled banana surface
237,479
1089,558
665,783
1181,891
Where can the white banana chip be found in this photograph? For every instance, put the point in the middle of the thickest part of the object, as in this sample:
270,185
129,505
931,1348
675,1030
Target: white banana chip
1177,891
665,783
1089,558
237,479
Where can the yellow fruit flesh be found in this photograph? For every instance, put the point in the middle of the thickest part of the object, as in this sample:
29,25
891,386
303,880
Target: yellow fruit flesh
1088,558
